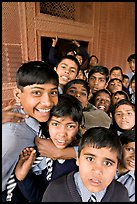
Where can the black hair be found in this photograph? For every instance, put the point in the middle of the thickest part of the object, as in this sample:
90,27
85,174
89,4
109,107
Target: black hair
125,76
131,57
36,72
128,136
68,106
121,93
122,102
132,79
116,68
77,81
102,70
99,137
71,58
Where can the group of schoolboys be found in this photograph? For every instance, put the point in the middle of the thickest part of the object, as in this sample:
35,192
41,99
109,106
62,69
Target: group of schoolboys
84,163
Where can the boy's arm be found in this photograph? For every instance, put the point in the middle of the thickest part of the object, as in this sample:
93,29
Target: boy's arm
9,116
48,149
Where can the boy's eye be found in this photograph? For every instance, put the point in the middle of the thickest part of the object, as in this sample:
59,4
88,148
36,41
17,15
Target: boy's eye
54,124
129,149
84,94
54,93
72,91
108,163
90,158
71,126
38,93
73,70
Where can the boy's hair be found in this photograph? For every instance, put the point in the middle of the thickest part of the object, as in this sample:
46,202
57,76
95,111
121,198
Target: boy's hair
131,57
127,136
36,72
116,68
122,102
102,70
111,80
99,137
77,81
132,79
68,106
92,57
125,76
71,57
121,93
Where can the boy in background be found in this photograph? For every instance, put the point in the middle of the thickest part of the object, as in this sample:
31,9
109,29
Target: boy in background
126,168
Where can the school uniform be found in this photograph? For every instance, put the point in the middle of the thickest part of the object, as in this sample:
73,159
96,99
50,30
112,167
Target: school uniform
15,137
64,189
128,180
34,186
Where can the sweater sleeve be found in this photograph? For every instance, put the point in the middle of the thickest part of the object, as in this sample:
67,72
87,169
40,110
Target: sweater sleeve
84,53
53,55
32,187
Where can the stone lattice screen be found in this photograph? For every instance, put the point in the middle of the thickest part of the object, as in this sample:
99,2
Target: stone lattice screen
60,9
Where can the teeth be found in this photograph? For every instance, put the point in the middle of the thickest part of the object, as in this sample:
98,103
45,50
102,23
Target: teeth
65,78
101,107
61,141
43,110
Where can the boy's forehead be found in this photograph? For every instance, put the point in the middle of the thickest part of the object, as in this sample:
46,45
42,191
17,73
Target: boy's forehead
101,152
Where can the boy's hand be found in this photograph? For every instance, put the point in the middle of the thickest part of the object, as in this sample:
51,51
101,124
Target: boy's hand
26,159
47,148
54,41
76,43
9,116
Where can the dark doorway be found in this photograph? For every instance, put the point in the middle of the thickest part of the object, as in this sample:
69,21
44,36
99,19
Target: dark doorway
63,46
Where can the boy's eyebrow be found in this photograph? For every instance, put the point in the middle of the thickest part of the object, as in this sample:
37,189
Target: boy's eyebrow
61,121
68,65
73,87
108,159
37,87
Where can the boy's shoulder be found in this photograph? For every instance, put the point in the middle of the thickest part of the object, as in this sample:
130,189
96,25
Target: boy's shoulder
116,192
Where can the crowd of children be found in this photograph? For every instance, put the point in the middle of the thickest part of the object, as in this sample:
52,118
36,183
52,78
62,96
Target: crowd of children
87,125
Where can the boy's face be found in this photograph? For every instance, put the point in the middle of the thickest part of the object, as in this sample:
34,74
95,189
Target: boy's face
133,85
97,81
114,86
67,70
129,156
62,131
38,99
79,58
93,61
132,65
97,167
103,101
125,117
116,74
117,98
80,75
125,82
78,91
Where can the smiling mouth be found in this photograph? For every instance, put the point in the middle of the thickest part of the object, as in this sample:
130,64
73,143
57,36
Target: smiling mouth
43,110
101,107
65,78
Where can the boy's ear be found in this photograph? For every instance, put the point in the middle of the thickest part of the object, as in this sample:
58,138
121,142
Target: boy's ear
77,161
55,68
16,93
